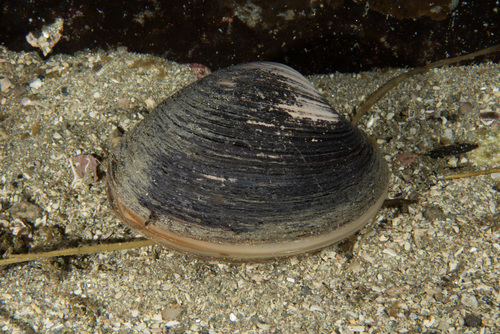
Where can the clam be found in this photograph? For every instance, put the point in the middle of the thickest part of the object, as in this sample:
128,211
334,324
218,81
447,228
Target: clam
248,163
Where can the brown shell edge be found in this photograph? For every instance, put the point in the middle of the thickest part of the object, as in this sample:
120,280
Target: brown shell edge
240,252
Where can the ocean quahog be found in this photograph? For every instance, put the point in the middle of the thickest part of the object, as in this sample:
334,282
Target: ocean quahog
248,163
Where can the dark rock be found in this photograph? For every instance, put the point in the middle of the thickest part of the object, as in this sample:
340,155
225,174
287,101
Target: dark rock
47,238
26,211
472,320
313,37
434,213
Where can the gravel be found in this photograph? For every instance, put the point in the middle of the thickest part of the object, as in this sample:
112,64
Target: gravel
429,262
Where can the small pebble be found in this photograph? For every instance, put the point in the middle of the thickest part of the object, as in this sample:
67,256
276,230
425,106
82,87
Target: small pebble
4,84
472,320
453,265
26,211
171,312
123,103
150,103
25,101
433,213
465,108
469,301
172,323
35,84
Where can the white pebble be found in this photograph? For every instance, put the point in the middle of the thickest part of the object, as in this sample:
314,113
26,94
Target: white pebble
96,95
356,329
469,301
265,327
493,207
453,265
448,134
316,308
35,84
390,252
150,103
453,161
172,323
25,101
457,253
429,322
4,84
371,121
232,317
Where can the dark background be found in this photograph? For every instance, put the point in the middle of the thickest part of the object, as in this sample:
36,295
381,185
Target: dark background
311,36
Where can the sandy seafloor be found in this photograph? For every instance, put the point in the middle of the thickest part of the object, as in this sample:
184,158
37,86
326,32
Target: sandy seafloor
429,264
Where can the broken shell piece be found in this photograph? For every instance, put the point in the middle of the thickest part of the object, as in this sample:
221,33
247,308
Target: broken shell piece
123,102
487,117
84,170
27,102
49,37
37,83
5,84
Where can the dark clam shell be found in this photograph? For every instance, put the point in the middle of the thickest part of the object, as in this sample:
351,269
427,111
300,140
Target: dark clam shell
249,162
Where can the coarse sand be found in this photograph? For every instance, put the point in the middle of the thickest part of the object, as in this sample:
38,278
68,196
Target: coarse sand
429,263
